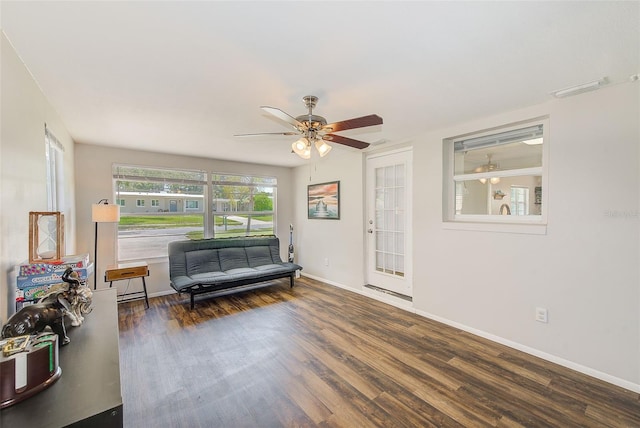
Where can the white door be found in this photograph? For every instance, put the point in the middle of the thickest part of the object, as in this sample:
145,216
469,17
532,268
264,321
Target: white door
388,222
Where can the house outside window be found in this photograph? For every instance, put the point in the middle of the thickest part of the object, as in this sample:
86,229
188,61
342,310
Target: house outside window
145,230
497,176
243,205
240,205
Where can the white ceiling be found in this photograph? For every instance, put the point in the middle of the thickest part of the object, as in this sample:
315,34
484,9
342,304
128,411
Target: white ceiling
184,77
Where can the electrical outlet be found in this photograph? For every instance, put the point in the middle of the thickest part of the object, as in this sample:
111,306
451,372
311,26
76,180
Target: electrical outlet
542,315
326,262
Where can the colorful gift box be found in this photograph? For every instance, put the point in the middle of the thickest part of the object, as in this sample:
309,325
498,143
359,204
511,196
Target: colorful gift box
25,281
80,261
33,293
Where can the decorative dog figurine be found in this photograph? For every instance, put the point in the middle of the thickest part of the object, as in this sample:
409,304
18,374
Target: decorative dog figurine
35,318
71,298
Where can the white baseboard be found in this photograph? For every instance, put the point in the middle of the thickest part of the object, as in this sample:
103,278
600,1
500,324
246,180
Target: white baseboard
407,306
162,293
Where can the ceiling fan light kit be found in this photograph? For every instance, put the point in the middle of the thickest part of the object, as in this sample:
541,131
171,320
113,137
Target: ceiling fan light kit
315,130
488,167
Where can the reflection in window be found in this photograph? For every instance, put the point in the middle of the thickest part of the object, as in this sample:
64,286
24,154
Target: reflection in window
498,174
519,200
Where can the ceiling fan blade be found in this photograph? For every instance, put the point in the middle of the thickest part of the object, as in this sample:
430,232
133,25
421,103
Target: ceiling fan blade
358,122
346,141
266,133
283,116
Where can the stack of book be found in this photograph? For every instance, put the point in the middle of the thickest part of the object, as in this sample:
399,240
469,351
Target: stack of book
35,279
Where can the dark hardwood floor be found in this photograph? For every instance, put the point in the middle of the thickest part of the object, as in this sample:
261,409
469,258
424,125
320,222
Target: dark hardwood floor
317,355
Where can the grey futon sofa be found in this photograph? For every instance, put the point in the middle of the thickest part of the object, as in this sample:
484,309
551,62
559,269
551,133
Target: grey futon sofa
213,265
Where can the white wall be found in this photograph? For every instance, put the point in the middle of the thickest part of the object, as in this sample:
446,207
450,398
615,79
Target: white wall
24,112
339,241
94,182
584,270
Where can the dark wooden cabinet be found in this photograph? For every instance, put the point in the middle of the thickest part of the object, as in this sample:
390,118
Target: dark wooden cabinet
88,393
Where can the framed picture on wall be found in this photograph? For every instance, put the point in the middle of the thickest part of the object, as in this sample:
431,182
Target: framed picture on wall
323,200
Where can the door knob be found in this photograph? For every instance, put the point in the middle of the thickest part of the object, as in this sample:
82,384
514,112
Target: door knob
369,230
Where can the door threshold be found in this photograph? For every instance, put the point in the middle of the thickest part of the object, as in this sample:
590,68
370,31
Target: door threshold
389,292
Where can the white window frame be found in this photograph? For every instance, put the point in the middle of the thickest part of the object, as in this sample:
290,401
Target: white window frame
494,223
188,203
155,202
140,203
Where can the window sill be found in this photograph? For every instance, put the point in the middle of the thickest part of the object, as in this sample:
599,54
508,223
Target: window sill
150,260
522,228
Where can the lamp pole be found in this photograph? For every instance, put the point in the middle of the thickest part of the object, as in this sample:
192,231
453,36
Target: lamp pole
95,259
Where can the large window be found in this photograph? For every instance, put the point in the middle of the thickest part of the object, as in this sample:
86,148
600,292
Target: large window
176,207
145,229
243,205
497,176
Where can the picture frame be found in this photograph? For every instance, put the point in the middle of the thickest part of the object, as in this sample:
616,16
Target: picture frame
323,201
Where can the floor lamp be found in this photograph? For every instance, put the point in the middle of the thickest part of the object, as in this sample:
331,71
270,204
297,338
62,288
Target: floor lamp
102,212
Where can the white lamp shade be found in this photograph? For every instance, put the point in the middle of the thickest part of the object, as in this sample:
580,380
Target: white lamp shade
105,213
322,147
306,154
301,148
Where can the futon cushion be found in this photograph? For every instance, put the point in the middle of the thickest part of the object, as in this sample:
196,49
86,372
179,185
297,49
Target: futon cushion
202,261
232,258
271,268
208,277
259,256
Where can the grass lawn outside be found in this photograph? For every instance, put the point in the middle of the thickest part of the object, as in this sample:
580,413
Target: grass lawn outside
168,221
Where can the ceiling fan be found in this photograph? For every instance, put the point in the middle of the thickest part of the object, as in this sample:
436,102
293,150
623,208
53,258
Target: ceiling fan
315,130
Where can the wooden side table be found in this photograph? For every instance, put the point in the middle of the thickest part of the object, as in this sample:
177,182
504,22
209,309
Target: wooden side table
122,271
